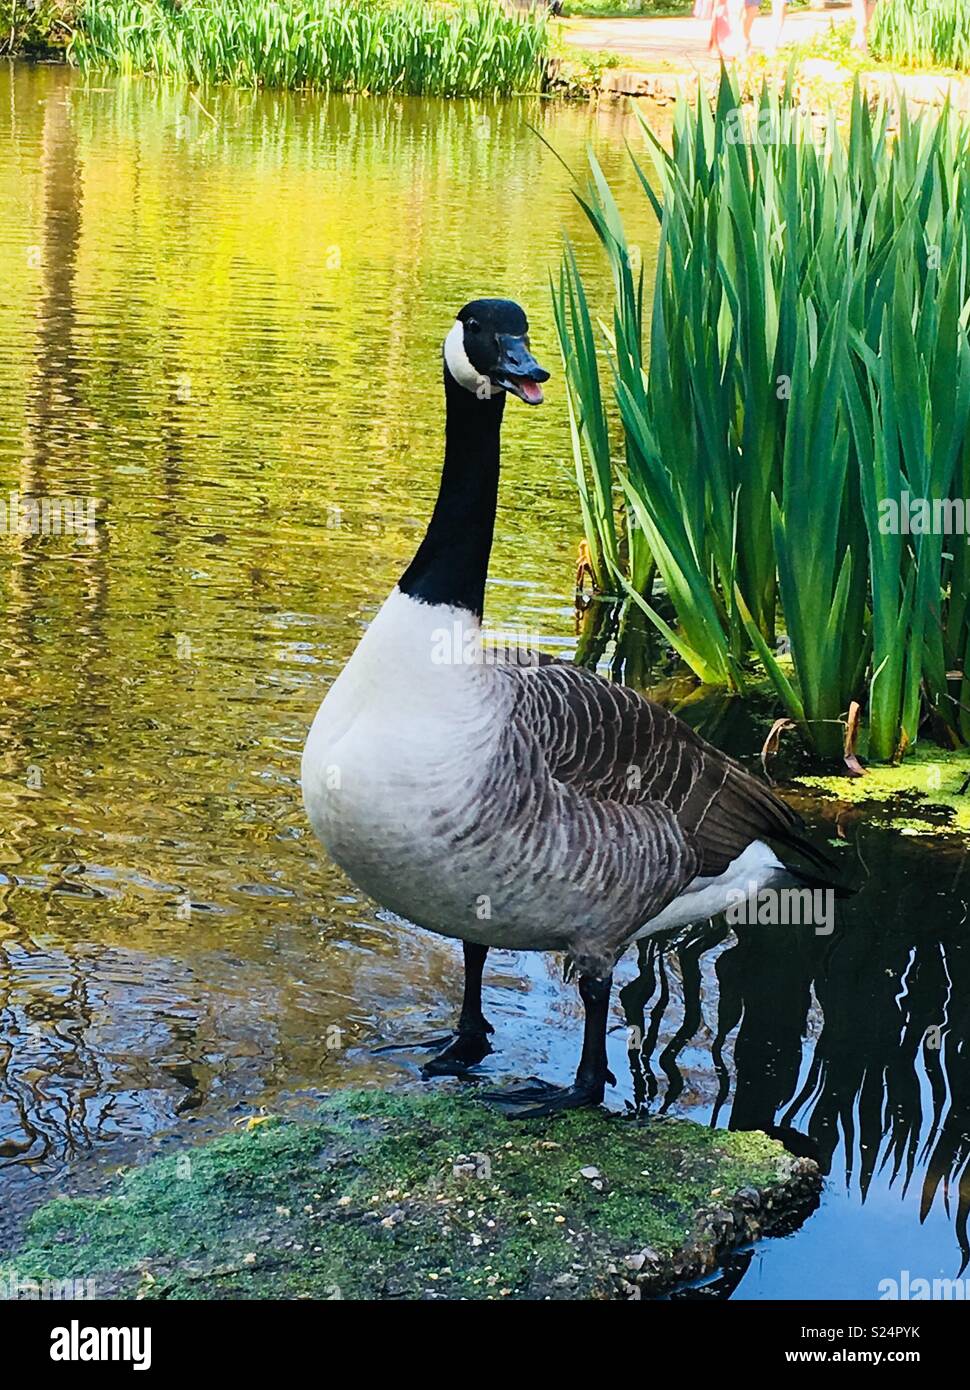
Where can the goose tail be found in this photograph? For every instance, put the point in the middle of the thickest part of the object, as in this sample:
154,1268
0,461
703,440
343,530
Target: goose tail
824,872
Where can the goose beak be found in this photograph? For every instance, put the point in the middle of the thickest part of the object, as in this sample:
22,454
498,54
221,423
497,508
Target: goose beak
518,371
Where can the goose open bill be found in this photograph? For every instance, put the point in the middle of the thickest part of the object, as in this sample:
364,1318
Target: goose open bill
508,799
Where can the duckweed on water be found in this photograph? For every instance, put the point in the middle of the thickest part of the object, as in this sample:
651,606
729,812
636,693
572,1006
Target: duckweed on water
423,1196
924,795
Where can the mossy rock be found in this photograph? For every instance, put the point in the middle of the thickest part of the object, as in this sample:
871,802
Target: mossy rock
432,1195
928,793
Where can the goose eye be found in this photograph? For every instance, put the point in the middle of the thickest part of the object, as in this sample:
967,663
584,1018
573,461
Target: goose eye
473,325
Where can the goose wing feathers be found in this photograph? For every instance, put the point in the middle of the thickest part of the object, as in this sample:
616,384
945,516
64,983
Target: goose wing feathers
613,747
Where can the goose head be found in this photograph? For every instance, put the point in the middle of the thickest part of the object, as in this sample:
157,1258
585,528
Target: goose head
487,351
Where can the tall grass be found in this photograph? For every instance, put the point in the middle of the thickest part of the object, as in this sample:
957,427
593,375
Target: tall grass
808,360
921,33
415,47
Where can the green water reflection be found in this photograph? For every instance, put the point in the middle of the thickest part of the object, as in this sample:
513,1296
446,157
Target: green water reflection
221,317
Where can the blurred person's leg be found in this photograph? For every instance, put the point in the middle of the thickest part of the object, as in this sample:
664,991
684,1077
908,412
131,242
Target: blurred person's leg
862,11
777,22
751,8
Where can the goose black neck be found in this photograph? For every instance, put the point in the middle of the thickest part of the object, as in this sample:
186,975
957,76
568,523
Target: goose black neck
451,564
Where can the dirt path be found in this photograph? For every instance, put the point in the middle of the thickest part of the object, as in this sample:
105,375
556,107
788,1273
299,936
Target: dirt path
683,41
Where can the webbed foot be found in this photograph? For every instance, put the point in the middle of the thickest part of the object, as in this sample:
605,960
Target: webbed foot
466,1049
542,1098
460,1050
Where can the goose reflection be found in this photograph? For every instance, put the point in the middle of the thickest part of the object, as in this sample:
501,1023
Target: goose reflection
850,1048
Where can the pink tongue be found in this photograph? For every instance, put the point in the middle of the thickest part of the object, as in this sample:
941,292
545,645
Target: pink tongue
531,390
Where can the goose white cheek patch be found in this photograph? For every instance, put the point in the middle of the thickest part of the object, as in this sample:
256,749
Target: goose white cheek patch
458,364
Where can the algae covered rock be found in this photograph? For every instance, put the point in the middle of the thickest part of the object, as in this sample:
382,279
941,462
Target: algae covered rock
428,1195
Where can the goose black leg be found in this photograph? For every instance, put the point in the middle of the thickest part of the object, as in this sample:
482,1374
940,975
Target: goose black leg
541,1098
470,1043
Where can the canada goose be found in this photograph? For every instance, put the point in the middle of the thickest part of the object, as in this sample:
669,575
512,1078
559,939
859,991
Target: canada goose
509,799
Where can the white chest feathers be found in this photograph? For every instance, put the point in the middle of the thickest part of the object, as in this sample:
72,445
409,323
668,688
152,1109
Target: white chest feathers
396,753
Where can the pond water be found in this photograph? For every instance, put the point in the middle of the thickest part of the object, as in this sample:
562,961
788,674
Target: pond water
221,316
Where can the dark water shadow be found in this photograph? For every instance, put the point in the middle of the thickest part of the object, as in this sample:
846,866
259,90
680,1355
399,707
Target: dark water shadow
852,1048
